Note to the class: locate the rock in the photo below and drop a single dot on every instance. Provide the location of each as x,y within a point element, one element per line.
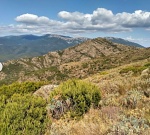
<point>145,72</point>
<point>45,90</point>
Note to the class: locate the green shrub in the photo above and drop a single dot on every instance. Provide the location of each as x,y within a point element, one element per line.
<point>147,65</point>
<point>20,88</point>
<point>53,69</point>
<point>85,65</point>
<point>81,94</point>
<point>22,115</point>
<point>135,69</point>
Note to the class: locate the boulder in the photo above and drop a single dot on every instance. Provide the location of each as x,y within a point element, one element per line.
<point>145,73</point>
<point>45,90</point>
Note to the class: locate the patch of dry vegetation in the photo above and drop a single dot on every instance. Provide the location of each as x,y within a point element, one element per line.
<point>123,110</point>
<point>93,123</point>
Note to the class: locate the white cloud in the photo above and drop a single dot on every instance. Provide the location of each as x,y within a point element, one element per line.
<point>31,19</point>
<point>101,20</point>
<point>26,18</point>
<point>137,19</point>
<point>75,16</point>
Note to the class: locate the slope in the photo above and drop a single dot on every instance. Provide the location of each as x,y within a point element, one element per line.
<point>75,62</point>
<point>123,109</point>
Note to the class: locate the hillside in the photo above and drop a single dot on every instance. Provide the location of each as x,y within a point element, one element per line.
<point>111,96</point>
<point>78,61</point>
<point>110,102</point>
<point>123,109</point>
<point>25,46</point>
<point>124,42</point>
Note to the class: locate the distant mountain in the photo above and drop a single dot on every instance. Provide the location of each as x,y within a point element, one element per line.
<point>124,42</point>
<point>24,46</point>
<point>79,61</point>
<point>27,46</point>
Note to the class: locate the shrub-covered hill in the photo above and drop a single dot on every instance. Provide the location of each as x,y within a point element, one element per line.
<point>117,101</point>
<point>78,61</point>
<point>124,107</point>
<point>114,101</point>
<point>22,112</point>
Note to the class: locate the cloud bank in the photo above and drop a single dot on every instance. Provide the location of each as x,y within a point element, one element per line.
<point>101,20</point>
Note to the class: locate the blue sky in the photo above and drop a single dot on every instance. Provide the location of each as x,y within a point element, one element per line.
<point>128,19</point>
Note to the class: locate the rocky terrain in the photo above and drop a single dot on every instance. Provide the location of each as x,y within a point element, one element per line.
<point>123,109</point>
<point>78,61</point>
<point>110,96</point>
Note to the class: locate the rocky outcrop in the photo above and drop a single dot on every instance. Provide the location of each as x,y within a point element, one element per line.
<point>44,91</point>
<point>145,72</point>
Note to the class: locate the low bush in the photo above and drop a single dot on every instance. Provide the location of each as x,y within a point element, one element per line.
<point>129,126</point>
<point>131,99</point>
<point>20,88</point>
<point>22,115</point>
<point>135,69</point>
<point>81,94</point>
<point>147,65</point>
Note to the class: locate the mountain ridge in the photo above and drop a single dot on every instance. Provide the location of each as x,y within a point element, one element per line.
<point>26,46</point>
<point>77,61</point>
<point>124,41</point>
<point>118,87</point>
<point>14,47</point>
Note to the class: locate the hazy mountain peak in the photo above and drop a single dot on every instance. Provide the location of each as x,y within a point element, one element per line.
<point>124,41</point>
<point>14,47</point>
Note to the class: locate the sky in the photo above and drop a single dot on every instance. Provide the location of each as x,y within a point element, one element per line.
<point>128,19</point>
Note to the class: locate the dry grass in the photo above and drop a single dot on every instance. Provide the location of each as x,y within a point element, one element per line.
<point>115,88</point>
<point>93,123</point>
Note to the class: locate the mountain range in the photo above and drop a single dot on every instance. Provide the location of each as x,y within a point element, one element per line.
<point>123,41</point>
<point>114,76</point>
<point>78,61</point>
<point>26,46</point>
